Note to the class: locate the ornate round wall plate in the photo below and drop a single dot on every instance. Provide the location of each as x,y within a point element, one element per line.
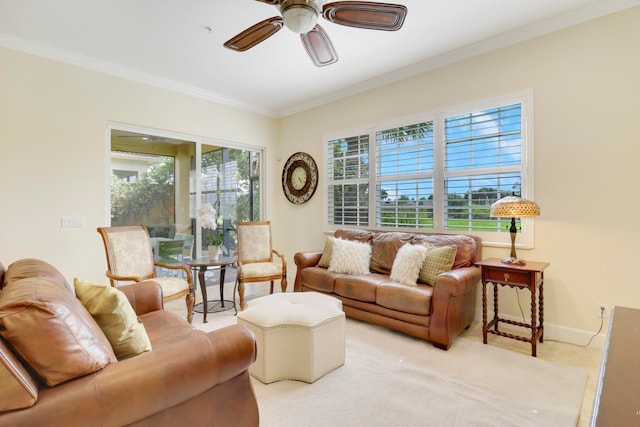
<point>299,178</point>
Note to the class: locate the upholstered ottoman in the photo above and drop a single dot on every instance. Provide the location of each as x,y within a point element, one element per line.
<point>300,335</point>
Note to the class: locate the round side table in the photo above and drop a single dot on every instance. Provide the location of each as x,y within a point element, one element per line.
<point>213,306</point>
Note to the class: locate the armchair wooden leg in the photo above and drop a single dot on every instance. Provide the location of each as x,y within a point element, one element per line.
<point>283,284</point>
<point>271,288</point>
<point>190,301</point>
<point>241,294</point>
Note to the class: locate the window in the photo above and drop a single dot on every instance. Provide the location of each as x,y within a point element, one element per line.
<point>349,174</point>
<point>438,171</point>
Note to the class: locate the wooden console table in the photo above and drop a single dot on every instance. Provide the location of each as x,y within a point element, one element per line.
<point>617,399</point>
<point>529,276</point>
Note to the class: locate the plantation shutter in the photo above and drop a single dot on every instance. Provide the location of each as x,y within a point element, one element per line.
<point>348,181</point>
<point>404,181</point>
<point>482,164</point>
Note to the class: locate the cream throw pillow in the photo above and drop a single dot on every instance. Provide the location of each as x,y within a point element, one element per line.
<point>112,311</point>
<point>439,259</point>
<point>350,257</point>
<point>325,260</point>
<point>407,263</point>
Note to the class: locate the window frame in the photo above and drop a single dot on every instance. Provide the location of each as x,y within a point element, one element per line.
<point>525,238</point>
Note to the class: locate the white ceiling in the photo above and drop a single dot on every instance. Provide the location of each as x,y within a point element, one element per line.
<point>166,43</point>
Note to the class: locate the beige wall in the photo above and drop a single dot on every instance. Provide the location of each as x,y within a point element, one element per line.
<point>587,98</point>
<point>586,87</point>
<point>53,161</point>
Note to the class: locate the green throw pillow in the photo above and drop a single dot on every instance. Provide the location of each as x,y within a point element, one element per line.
<point>439,259</point>
<point>325,260</point>
<point>113,313</point>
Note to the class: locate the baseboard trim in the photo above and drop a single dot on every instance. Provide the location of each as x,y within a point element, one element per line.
<point>561,333</point>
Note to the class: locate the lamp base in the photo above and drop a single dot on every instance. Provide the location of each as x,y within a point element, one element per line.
<point>513,260</point>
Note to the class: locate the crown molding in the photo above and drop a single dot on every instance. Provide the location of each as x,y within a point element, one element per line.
<point>597,9</point>
<point>93,64</point>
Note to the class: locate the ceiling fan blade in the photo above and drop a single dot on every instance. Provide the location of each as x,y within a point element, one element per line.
<point>256,34</point>
<point>365,14</point>
<point>319,47</point>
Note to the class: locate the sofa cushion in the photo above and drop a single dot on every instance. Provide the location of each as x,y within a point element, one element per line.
<point>384,247</point>
<point>319,279</point>
<point>408,263</point>
<point>165,328</point>
<point>360,287</point>
<point>50,329</point>
<point>112,311</point>
<point>408,299</point>
<point>325,259</point>
<point>439,260</point>
<point>363,236</point>
<point>17,388</point>
<point>350,257</point>
<point>31,267</point>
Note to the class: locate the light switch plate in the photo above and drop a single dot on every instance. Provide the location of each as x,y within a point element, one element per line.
<point>72,222</point>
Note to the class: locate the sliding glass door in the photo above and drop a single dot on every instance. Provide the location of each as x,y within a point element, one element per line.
<point>161,182</point>
<point>230,182</point>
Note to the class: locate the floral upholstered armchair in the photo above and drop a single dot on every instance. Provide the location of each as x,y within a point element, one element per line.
<point>255,257</point>
<point>130,259</point>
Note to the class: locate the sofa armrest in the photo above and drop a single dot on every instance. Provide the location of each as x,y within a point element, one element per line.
<point>453,304</point>
<point>307,259</point>
<point>164,378</point>
<point>139,387</point>
<point>144,297</point>
<point>304,260</point>
<point>458,281</point>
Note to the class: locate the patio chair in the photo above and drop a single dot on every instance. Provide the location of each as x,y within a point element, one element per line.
<point>188,244</point>
<point>130,259</point>
<point>169,252</point>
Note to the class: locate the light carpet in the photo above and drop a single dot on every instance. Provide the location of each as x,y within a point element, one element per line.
<point>390,379</point>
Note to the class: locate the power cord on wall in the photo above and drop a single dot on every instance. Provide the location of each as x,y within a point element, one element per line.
<point>566,342</point>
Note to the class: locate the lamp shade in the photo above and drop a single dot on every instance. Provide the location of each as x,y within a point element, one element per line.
<point>514,207</point>
<point>300,18</point>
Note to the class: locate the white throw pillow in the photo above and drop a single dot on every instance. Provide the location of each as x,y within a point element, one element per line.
<point>407,263</point>
<point>350,257</point>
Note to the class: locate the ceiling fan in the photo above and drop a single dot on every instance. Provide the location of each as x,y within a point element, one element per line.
<point>301,16</point>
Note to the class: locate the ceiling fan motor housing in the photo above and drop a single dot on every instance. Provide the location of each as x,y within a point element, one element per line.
<point>300,16</point>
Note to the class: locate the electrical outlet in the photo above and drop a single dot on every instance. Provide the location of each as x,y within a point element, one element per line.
<point>602,313</point>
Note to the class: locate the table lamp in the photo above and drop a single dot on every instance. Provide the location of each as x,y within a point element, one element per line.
<point>514,207</point>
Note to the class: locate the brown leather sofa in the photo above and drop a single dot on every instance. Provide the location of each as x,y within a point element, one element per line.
<point>435,313</point>
<point>188,378</point>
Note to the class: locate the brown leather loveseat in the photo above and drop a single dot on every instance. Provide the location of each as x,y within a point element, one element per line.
<point>436,312</point>
<point>189,377</point>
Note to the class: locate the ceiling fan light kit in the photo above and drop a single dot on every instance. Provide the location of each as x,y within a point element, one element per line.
<point>301,16</point>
